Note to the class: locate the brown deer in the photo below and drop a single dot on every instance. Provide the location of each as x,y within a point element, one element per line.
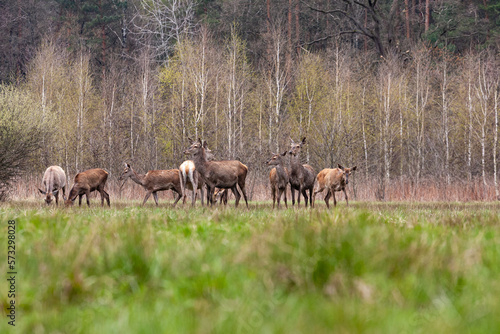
<point>278,177</point>
<point>226,174</point>
<point>333,179</point>
<point>154,181</point>
<point>191,179</point>
<point>302,177</point>
<point>221,196</point>
<point>85,183</point>
<point>54,179</point>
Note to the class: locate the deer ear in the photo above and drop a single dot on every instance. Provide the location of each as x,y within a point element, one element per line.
<point>340,166</point>
<point>303,140</point>
<point>199,140</point>
<point>127,165</point>
<point>284,153</point>
<point>291,140</point>
<point>205,144</point>
<point>190,140</point>
<point>354,168</point>
<point>43,192</point>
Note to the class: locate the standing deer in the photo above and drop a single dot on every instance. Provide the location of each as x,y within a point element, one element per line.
<point>333,179</point>
<point>54,179</point>
<point>154,181</point>
<point>278,177</point>
<point>225,174</point>
<point>191,179</point>
<point>302,177</point>
<point>85,183</point>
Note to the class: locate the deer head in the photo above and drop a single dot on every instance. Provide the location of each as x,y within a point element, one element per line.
<point>195,148</point>
<point>347,172</point>
<point>276,159</point>
<point>48,196</point>
<point>295,147</point>
<point>127,172</point>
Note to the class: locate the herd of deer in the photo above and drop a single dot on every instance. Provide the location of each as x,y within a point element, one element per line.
<point>203,170</point>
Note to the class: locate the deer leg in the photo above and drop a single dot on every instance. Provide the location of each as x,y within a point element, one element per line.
<point>334,199</point>
<point>146,197</point>
<point>210,195</point>
<point>80,199</point>
<point>236,195</point>
<point>106,195</point>
<point>87,194</point>
<point>346,200</point>
<point>284,195</point>
<point>311,197</point>
<point>273,194</point>
<point>242,188</point>
<point>293,195</point>
<point>64,192</point>
<point>155,197</point>
<point>280,191</point>
<point>184,184</point>
<point>202,194</point>
<point>194,183</point>
<point>327,198</point>
<point>101,191</point>
<point>179,195</point>
<point>320,189</point>
<point>57,198</point>
<point>304,192</point>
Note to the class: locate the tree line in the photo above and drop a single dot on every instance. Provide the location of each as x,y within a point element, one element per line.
<point>115,81</point>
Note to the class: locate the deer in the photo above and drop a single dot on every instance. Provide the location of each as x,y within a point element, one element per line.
<point>154,181</point>
<point>278,177</point>
<point>54,179</point>
<point>86,182</point>
<point>333,179</point>
<point>226,174</point>
<point>302,177</point>
<point>191,179</point>
<point>221,196</point>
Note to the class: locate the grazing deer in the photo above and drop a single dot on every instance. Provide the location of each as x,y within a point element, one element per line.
<point>85,183</point>
<point>54,179</point>
<point>191,179</point>
<point>226,174</point>
<point>221,196</point>
<point>333,179</point>
<point>278,177</point>
<point>302,177</point>
<point>154,181</point>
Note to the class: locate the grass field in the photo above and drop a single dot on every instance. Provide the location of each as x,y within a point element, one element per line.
<point>372,267</point>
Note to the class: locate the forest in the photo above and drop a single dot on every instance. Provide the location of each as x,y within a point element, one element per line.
<point>407,90</point>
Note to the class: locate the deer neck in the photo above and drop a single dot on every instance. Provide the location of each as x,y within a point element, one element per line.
<point>200,161</point>
<point>137,178</point>
<point>295,162</point>
<point>280,166</point>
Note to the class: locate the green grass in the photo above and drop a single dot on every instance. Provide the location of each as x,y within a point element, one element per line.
<point>372,267</point>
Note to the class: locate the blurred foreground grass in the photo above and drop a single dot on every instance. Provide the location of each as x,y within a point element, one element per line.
<point>372,267</point>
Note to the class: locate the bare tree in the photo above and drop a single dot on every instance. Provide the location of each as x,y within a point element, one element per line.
<point>162,23</point>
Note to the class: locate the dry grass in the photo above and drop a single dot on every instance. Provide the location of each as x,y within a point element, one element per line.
<point>258,190</point>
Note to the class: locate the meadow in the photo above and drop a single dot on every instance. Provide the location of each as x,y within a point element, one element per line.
<point>371,267</point>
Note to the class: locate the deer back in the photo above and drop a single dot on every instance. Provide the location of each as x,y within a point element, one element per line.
<point>162,179</point>
<point>54,178</point>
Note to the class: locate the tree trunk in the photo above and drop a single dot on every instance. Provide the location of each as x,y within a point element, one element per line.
<point>427,15</point>
<point>407,19</point>
<point>297,26</point>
